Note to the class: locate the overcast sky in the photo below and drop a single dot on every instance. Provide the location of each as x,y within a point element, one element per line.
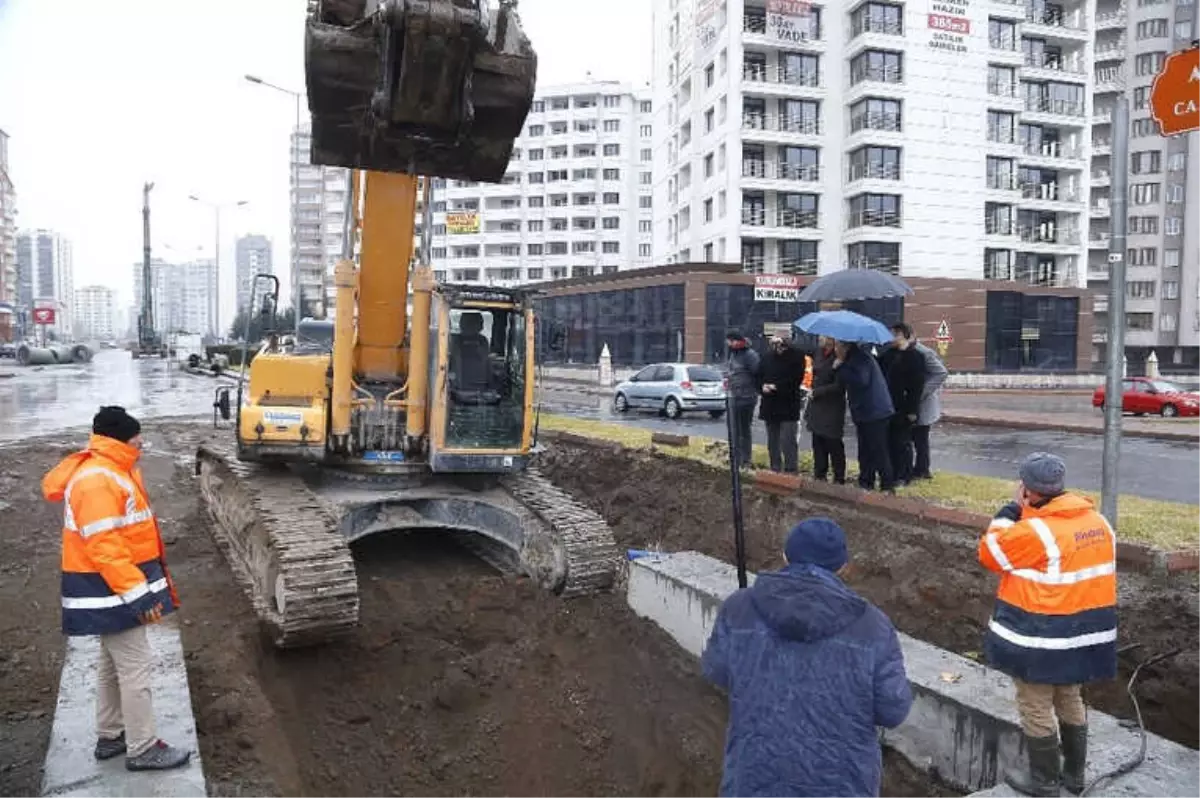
<point>99,96</point>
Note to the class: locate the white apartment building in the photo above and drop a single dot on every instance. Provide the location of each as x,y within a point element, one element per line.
<point>45,279</point>
<point>1162,281</point>
<point>318,204</point>
<point>576,200</point>
<point>944,139</point>
<point>181,296</point>
<point>253,259</point>
<point>95,313</point>
<point>8,244</point>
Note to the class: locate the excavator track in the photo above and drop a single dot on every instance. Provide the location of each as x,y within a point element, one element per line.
<point>586,539</point>
<point>284,547</point>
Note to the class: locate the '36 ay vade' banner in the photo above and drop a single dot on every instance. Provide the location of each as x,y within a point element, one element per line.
<point>788,20</point>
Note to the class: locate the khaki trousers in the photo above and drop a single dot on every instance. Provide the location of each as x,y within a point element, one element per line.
<point>1039,703</point>
<point>124,699</point>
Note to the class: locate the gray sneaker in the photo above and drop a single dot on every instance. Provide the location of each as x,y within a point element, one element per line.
<point>108,747</point>
<point>159,756</point>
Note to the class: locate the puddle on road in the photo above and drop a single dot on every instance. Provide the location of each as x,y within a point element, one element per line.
<point>49,399</point>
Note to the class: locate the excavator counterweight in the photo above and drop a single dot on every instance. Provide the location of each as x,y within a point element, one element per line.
<point>425,87</point>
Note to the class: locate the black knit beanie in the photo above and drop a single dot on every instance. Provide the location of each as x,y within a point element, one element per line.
<point>113,422</point>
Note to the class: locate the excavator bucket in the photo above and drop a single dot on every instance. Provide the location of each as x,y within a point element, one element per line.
<point>426,87</point>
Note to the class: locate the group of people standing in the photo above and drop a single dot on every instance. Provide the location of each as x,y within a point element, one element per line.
<point>893,400</point>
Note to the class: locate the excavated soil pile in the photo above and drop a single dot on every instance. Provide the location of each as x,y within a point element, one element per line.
<point>927,580</point>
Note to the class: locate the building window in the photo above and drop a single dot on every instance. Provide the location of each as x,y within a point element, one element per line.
<point>612,174</point>
<point>537,177</point>
<point>798,257</point>
<point>1146,193</point>
<point>585,150</point>
<point>1170,289</point>
<point>881,255</point>
<point>558,225</point>
<point>878,18</point>
<point>1171,258</point>
<point>612,223</point>
<point>583,174</point>
<point>537,202</point>
<point>612,125</point>
<point>875,113</point>
<point>643,250</point>
<point>1140,289</point>
<point>584,223</point>
<point>881,163</point>
<point>1141,98</point>
<point>646,202</point>
<point>612,198</point>
<point>611,101</point>
<point>1173,226</point>
<point>536,155</point>
<point>997,264</point>
<point>558,128</point>
<point>646,226</point>
<point>881,66</point>
<point>1175,193</point>
<point>1143,224</point>
<point>1148,162</point>
<point>612,150</point>
<point>646,131</point>
<point>582,247</point>
<point>710,118</point>
<point>539,106</point>
<point>534,225</point>
<point>1002,127</point>
<point>611,247</point>
<point>875,210</point>
<point>1152,29</point>
<point>535,274</point>
<point>1142,128</point>
<point>1001,174</point>
<point>1148,64</point>
<point>1002,34</point>
<point>1168,322</point>
<point>557,247</point>
<point>710,76</point>
<point>534,249</point>
<point>645,106</point>
<point>536,130</point>
<point>1177,162</point>
<point>1139,321</point>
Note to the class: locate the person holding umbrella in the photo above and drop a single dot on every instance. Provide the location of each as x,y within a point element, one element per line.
<point>826,416</point>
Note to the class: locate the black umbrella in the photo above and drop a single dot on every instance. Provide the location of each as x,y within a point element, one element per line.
<point>850,284</point>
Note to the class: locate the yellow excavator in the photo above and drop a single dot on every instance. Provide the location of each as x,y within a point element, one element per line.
<point>378,420</point>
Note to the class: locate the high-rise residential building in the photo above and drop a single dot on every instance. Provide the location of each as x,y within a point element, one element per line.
<point>576,199</point>
<point>1162,312</point>
<point>253,259</point>
<point>45,279</point>
<point>181,294</point>
<point>95,313</point>
<point>941,140</point>
<point>318,216</point>
<point>8,245</point>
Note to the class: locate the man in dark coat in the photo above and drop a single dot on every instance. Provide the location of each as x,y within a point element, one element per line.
<point>811,669</point>
<point>742,370</point>
<point>904,368</point>
<point>870,408</point>
<point>826,417</point>
<point>782,374</point>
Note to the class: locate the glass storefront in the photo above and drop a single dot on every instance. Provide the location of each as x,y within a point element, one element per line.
<point>640,325</point>
<point>1031,332</point>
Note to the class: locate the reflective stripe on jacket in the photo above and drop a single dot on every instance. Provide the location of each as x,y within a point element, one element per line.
<point>1055,620</point>
<point>113,562</point>
<point>808,372</point>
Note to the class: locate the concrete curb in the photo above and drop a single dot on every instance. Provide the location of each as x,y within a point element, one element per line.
<point>963,725</point>
<point>1130,556</point>
<point>71,770</point>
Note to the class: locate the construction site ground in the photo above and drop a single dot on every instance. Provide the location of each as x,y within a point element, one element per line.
<point>459,681</point>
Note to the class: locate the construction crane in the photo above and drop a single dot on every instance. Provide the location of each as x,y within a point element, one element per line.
<point>148,344</point>
<point>379,421</point>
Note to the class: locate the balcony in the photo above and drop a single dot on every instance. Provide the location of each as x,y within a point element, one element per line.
<point>760,73</point>
<point>872,218</point>
<point>1109,51</point>
<point>875,121</point>
<point>1109,81</point>
<point>772,170</point>
<point>869,25</point>
<point>1002,181</point>
<point>877,74</point>
<point>1052,23</point>
<point>1009,9</point>
<point>803,266</point>
<point>1100,179</point>
<point>1101,116</point>
<point>756,25</point>
<point>1048,105</point>
<point>1059,66</point>
<point>999,227</point>
<point>997,135</point>
<point>1100,209</point>
<point>1098,241</point>
<point>873,171</point>
<point>1053,150</point>
<point>754,264</point>
<point>1048,234</point>
<point>1049,192</point>
<point>796,220</point>
<point>754,217</point>
<point>1003,43</point>
<point>998,88</point>
<point>1111,20</point>
<point>782,124</point>
<point>887,265</point>
<point>1102,147</point>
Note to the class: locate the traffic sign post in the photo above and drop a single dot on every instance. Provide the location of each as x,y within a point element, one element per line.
<point>943,338</point>
<point>1115,348</point>
<point>1175,94</point>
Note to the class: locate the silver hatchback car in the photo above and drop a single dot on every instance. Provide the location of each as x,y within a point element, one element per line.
<point>673,389</point>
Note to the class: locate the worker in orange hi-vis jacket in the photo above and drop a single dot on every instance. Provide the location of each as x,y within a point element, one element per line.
<point>114,583</point>
<point>1054,627</point>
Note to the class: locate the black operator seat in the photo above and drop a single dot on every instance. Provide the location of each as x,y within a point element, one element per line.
<point>470,355</point>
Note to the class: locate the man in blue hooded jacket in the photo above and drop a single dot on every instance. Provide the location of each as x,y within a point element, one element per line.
<point>811,669</point>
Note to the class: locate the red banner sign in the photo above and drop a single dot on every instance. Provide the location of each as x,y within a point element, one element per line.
<point>949,24</point>
<point>43,315</point>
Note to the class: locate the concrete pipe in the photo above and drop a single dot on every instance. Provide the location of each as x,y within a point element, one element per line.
<point>35,356</point>
<point>81,353</point>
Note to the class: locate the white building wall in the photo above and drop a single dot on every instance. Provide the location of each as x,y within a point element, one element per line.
<point>318,217</point>
<point>253,258</point>
<point>95,313</point>
<point>181,293</point>
<point>942,90</point>
<point>561,176</point>
<point>46,277</point>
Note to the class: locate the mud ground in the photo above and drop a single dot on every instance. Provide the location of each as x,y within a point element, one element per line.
<point>927,580</point>
<point>459,680</point>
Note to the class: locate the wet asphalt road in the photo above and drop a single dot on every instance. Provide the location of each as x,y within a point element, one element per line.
<point>47,399</point>
<point>1151,468</point>
<point>40,401</point>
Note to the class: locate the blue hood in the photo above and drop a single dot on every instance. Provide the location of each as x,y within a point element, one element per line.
<point>805,602</point>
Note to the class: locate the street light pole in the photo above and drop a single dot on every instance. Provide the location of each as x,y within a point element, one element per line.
<point>214,308</point>
<point>294,150</point>
<point>1115,349</point>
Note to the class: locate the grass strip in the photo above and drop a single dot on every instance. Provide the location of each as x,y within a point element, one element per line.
<point>1167,525</point>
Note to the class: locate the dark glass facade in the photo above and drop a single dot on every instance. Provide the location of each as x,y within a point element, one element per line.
<point>640,325</point>
<point>1031,332</point>
<point>732,307</point>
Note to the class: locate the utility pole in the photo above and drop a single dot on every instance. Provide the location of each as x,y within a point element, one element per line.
<point>1115,349</point>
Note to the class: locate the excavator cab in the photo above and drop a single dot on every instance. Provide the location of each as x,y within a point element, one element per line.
<point>425,87</point>
<point>482,382</point>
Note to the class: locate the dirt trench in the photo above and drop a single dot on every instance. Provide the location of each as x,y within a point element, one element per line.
<point>927,580</point>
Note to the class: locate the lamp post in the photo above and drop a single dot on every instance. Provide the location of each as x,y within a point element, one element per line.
<point>298,310</point>
<point>215,307</point>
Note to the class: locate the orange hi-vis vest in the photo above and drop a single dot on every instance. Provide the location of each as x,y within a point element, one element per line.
<point>1055,620</point>
<point>113,563</point>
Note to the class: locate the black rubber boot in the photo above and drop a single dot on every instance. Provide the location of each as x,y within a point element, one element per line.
<point>1074,748</point>
<point>1045,768</point>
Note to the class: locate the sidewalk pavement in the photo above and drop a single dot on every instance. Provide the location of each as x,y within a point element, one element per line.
<point>1087,423</point>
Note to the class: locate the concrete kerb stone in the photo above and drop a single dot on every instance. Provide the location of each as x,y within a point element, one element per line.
<point>963,726</point>
<point>70,768</point>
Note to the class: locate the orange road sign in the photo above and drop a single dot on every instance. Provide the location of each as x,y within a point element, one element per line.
<point>1175,95</point>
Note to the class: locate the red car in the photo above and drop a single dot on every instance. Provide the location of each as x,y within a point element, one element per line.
<point>1143,395</point>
